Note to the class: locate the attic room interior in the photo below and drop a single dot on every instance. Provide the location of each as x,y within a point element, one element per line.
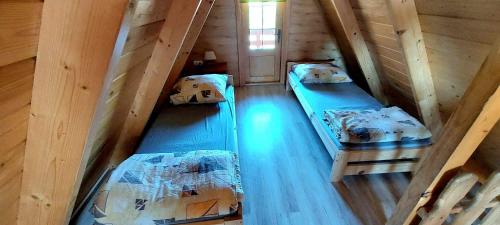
<point>255,112</point>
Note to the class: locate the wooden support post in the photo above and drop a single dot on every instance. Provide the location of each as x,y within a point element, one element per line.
<point>176,26</point>
<point>474,117</point>
<point>407,27</point>
<point>77,53</point>
<point>339,165</point>
<point>194,31</point>
<point>342,17</point>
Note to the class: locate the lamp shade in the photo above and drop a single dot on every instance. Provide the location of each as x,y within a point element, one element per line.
<point>210,56</point>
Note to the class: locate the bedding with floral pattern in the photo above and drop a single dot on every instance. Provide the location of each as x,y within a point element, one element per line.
<point>320,73</point>
<point>165,188</point>
<point>375,125</point>
<point>199,89</point>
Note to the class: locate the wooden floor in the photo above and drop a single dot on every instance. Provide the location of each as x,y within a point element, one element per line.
<point>285,169</point>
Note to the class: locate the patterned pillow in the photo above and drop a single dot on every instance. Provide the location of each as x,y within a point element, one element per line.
<point>375,125</point>
<point>199,89</point>
<point>168,188</point>
<point>320,73</point>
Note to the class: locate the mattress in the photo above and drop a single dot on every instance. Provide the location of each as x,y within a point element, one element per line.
<point>185,128</point>
<point>321,97</point>
<point>192,127</point>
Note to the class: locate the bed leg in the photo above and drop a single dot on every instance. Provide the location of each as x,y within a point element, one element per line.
<point>339,165</point>
<point>288,88</point>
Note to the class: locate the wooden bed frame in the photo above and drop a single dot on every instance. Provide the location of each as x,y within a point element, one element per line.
<point>352,161</point>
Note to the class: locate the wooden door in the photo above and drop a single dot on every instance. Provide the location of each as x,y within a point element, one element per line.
<point>261,23</point>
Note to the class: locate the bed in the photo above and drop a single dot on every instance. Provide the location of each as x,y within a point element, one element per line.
<point>180,129</point>
<point>352,159</point>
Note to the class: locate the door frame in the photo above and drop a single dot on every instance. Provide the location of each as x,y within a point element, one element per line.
<point>243,51</point>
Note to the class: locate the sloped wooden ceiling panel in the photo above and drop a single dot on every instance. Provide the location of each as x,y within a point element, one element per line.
<point>19,29</point>
<point>219,34</point>
<point>378,31</point>
<point>309,36</point>
<point>459,35</point>
<point>145,27</point>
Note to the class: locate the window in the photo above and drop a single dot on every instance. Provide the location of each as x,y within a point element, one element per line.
<point>262,25</point>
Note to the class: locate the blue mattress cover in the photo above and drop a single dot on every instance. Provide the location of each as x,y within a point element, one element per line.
<point>192,127</point>
<point>185,128</point>
<point>346,96</point>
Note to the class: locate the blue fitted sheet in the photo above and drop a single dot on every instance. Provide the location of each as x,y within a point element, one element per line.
<point>192,127</point>
<point>346,96</point>
<point>185,128</point>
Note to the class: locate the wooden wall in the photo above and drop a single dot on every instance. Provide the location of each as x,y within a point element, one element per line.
<point>378,31</point>
<point>458,35</point>
<point>144,30</point>
<point>309,35</point>
<point>220,34</point>
<point>19,28</point>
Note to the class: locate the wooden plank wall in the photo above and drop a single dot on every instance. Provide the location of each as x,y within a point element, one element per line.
<point>378,31</point>
<point>220,34</point>
<point>459,35</point>
<point>19,28</point>
<point>144,31</point>
<point>309,36</point>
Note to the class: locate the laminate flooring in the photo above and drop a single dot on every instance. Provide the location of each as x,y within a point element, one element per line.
<point>285,169</point>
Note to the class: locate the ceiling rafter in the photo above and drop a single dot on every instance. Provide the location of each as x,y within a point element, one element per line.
<point>340,15</point>
<point>172,35</point>
<point>475,116</point>
<point>70,70</point>
<point>406,24</point>
<point>187,47</point>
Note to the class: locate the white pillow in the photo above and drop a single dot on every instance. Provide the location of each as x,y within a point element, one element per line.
<point>320,73</point>
<point>199,89</point>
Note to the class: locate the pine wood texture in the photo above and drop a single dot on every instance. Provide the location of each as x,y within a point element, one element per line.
<point>407,26</point>
<point>16,81</point>
<point>454,191</point>
<point>488,192</point>
<point>19,29</point>
<point>458,36</point>
<point>475,116</point>
<point>385,50</point>
<point>309,35</point>
<point>342,16</point>
<point>220,34</point>
<point>172,35</point>
<point>70,72</point>
<point>191,38</point>
<point>459,198</point>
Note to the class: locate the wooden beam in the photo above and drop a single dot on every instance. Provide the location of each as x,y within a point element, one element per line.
<point>474,117</point>
<point>191,38</point>
<point>341,15</point>
<point>77,52</point>
<point>176,26</point>
<point>407,27</point>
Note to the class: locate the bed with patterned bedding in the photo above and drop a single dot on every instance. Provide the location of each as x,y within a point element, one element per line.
<point>354,157</point>
<point>185,171</point>
<point>170,188</point>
